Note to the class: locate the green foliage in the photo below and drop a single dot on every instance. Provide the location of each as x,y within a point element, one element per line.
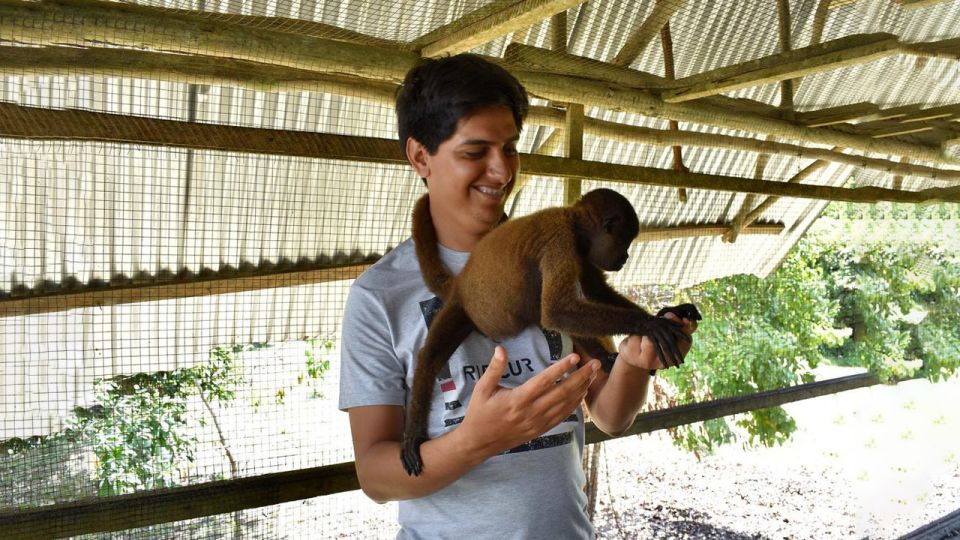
<point>317,355</point>
<point>140,429</point>
<point>756,335</point>
<point>888,301</point>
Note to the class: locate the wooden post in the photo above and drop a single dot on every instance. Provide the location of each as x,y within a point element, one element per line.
<point>574,150</point>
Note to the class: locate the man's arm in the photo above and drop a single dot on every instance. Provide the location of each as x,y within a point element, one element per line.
<point>615,398</point>
<point>496,420</point>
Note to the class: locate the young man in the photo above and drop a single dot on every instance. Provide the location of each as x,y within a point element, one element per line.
<point>504,456</point>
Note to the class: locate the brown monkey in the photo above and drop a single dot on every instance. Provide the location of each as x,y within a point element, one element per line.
<point>545,268</point>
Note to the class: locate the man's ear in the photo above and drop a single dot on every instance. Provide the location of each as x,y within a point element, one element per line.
<point>417,156</point>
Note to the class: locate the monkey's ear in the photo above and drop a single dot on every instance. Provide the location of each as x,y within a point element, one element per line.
<point>417,155</point>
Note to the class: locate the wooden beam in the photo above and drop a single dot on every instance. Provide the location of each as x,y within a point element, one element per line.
<point>891,129</point>
<point>786,85</point>
<point>707,410</point>
<point>467,20</point>
<point>558,32</point>
<point>509,19</point>
<point>917,4</point>
<point>537,59</point>
<point>191,69</point>
<point>755,214</point>
<point>45,124</point>
<point>836,115</point>
<point>613,97</point>
<point>106,514</point>
<point>656,234</point>
<point>819,21</point>
<point>636,41</point>
<point>85,22</point>
<point>669,72</point>
<point>947,49</point>
<point>746,205</point>
<point>573,129</point>
<point>819,58</point>
<point>145,27</point>
<point>132,294</point>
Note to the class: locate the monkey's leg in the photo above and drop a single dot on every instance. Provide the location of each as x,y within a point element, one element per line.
<point>595,348</point>
<point>448,330</point>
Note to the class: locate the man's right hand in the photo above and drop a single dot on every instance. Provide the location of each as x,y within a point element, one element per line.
<point>500,418</point>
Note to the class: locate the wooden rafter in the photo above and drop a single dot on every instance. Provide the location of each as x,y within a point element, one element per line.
<point>827,56</point>
<point>786,85</point>
<point>669,72</point>
<point>208,70</point>
<point>917,4</point>
<point>193,69</point>
<point>598,94</point>
<point>755,214</point>
<point>948,49</point>
<point>558,32</point>
<point>86,22</point>
<point>635,134</point>
<point>836,115</point>
<point>145,28</point>
<point>573,146</point>
<point>132,294</point>
<point>654,234</point>
<point>509,19</point>
<point>636,41</point>
<point>45,124</point>
<point>819,21</point>
<point>746,205</point>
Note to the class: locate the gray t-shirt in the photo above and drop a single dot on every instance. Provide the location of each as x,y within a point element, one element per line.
<point>532,491</point>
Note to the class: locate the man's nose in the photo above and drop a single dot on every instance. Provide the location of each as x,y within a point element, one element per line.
<point>499,167</point>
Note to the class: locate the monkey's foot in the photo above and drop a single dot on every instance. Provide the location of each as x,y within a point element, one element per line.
<point>665,334</point>
<point>410,455</point>
<point>684,311</point>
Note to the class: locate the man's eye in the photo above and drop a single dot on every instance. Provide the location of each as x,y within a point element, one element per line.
<point>510,151</point>
<point>476,155</point>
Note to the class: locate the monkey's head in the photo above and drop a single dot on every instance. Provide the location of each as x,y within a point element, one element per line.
<point>606,227</point>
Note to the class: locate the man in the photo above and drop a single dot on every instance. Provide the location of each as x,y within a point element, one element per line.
<point>506,439</point>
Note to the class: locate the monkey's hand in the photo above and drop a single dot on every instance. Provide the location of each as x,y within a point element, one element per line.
<point>664,333</point>
<point>683,311</point>
<point>413,437</point>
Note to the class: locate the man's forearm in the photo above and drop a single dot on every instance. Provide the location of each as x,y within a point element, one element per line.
<point>445,460</point>
<point>615,402</point>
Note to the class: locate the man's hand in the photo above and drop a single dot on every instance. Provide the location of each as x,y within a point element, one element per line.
<point>640,352</point>
<point>499,418</point>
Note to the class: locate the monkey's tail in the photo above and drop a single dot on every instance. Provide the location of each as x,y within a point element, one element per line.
<point>436,275</point>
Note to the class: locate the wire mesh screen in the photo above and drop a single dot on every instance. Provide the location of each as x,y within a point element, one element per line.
<point>188,190</point>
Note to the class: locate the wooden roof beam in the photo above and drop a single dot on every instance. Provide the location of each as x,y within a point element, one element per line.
<point>658,137</point>
<point>827,56</point>
<point>917,4</point>
<point>45,124</point>
<point>145,27</point>
<point>948,49</point>
<point>508,19</point>
<point>836,115</point>
<point>638,40</point>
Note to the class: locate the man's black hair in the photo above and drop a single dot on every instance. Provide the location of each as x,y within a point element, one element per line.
<point>438,92</point>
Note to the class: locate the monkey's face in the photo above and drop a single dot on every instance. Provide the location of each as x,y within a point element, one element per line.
<point>610,249</point>
<point>470,175</point>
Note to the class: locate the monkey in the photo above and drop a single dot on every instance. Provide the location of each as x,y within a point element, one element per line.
<point>546,268</point>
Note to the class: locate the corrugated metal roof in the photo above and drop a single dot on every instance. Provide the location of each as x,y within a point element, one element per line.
<point>90,211</point>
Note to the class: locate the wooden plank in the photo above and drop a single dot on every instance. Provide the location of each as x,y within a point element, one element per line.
<point>212,498</point>
<point>836,115</point>
<point>847,51</point>
<point>475,16</point>
<point>558,32</point>
<point>639,38</point>
<point>132,294</point>
<point>894,130</point>
<point>509,19</point>
<point>44,124</point>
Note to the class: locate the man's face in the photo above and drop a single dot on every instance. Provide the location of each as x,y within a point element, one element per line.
<point>470,175</point>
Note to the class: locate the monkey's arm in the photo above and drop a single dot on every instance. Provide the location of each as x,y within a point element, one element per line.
<point>615,399</point>
<point>567,307</point>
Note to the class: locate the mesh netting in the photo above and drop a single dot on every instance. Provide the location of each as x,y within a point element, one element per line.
<point>189,188</point>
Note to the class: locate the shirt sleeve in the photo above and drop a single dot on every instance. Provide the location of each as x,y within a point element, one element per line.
<point>371,372</point>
